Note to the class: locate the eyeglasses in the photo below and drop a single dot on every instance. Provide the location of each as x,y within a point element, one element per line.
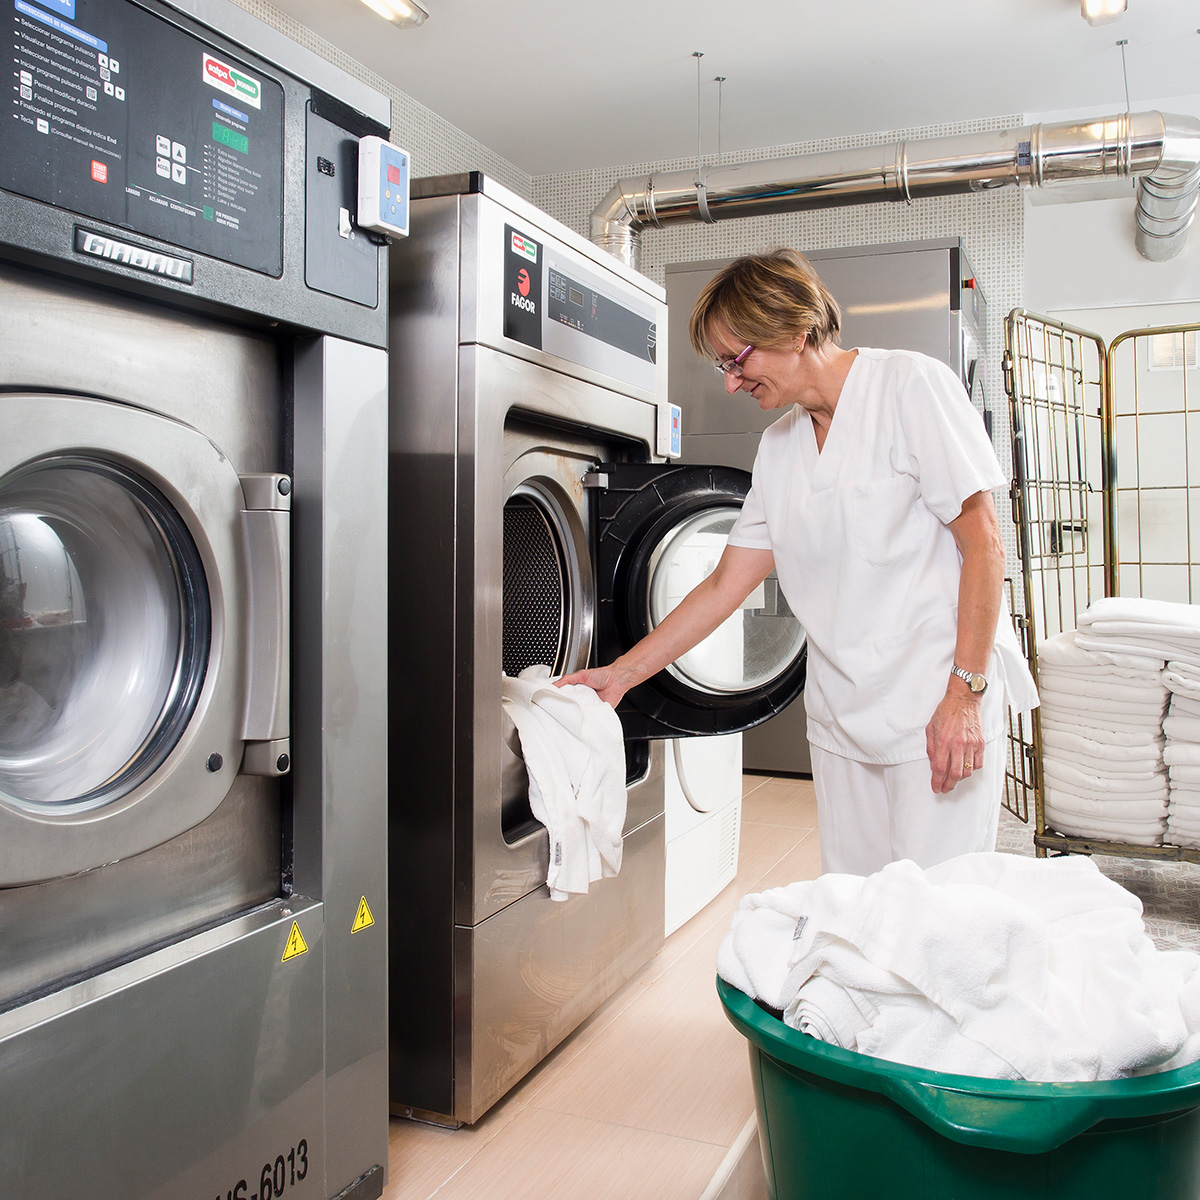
<point>732,366</point>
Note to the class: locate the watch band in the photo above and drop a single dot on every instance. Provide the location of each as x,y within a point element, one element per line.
<point>976,682</point>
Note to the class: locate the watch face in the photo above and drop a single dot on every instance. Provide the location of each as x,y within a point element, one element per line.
<point>978,683</point>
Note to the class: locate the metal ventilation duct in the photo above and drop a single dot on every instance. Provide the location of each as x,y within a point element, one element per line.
<point>1162,151</point>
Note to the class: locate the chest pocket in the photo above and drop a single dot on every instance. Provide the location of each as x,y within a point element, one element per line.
<point>890,523</point>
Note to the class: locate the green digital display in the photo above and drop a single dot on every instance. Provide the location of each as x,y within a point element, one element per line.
<point>231,138</point>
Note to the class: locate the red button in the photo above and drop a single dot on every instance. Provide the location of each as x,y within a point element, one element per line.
<point>99,171</point>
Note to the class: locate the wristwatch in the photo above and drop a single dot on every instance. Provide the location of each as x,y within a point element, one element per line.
<point>976,682</point>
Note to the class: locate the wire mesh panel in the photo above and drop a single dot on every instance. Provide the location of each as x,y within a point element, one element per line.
<point>1055,378</point>
<point>1106,500</point>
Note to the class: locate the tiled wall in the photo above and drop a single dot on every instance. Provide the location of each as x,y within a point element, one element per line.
<point>990,224</point>
<point>436,146</point>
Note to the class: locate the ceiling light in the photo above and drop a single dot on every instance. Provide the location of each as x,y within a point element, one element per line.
<point>399,12</point>
<point>1100,12</point>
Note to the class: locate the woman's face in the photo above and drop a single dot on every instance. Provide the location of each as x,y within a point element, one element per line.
<point>774,377</point>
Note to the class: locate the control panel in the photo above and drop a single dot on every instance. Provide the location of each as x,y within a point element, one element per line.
<point>382,187</point>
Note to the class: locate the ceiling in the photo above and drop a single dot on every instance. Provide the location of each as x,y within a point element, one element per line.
<point>561,85</point>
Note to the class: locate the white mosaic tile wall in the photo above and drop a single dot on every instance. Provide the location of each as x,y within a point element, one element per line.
<point>436,146</point>
<point>991,225</point>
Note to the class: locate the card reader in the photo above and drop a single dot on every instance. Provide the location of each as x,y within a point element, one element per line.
<point>382,187</point>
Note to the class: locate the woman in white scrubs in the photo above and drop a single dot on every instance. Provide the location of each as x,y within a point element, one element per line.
<point>872,501</point>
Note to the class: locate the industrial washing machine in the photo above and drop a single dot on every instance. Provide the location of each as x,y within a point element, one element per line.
<point>532,521</point>
<point>192,607</point>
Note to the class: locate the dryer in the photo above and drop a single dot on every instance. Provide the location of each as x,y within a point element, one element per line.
<point>532,520</point>
<point>192,537</point>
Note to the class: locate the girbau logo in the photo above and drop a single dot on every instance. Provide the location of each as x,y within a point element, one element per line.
<point>137,257</point>
<point>229,79</point>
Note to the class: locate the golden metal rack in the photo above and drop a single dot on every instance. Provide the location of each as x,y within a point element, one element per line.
<point>1105,499</point>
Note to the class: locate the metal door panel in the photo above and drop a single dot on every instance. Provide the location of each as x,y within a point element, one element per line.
<point>199,482</point>
<point>509,409</point>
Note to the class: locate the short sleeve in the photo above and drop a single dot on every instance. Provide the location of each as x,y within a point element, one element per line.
<point>750,528</point>
<point>945,436</point>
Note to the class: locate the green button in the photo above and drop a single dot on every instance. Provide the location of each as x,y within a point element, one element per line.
<point>208,213</point>
<point>231,138</point>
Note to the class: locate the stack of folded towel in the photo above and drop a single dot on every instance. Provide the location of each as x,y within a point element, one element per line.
<point>993,965</point>
<point>1170,631</point>
<point>1182,752</point>
<point>1102,740</point>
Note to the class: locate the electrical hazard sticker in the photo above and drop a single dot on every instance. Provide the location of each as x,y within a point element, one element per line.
<point>363,920</point>
<point>296,945</point>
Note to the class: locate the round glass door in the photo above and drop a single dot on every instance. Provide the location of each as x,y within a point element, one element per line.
<point>750,649</point>
<point>105,631</point>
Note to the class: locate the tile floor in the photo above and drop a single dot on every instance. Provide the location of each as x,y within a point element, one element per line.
<point>650,1098</point>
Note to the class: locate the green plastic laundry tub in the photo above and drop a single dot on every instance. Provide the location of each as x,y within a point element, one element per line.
<point>836,1125</point>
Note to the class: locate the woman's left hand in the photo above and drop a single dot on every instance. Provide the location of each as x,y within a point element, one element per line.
<point>954,741</point>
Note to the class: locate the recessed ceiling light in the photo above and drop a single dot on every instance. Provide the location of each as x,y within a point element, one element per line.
<point>1100,12</point>
<point>399,12</point>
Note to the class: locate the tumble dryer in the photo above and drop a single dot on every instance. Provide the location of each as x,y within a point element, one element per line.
<point>532,521</point>
<point>192,594</point>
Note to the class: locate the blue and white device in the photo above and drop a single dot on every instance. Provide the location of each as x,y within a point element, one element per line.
<point>382,187</point>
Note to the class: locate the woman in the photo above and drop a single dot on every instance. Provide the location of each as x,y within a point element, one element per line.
<point>872,500</point>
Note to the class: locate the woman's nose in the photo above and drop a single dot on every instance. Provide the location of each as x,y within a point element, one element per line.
<point>732,382</point>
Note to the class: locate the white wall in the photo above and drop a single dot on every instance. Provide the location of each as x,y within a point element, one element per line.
<point>1082,255</point>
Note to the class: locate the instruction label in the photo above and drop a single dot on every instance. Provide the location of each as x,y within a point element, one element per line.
<point>117,115</point>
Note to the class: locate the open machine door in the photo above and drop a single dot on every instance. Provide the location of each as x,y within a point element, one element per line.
<point>660,530</point>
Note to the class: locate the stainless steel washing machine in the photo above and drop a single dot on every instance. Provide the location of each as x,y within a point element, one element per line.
<point>532,520</point>
<point>192,592</point>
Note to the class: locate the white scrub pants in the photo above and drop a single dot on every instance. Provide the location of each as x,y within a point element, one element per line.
<point>870,815</point>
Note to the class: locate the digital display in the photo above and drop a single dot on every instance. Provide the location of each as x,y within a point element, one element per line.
<point>575,297</point>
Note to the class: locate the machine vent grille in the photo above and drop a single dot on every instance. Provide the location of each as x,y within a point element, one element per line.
<point>536,592</point>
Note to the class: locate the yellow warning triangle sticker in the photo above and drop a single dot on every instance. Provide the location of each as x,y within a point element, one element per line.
<point>364,919</point>
<point>295,944</point>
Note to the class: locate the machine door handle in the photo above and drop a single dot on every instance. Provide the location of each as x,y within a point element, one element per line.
<point>266,533</point>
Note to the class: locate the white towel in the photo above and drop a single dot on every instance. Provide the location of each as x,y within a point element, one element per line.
<point>1149,691</point>
<point>1108,810</point>
<point>1116,738</point>
<point>574,752</point>
<point>1148,785</point>
<point>989,964</point>
<point>1182,729</point>
<point>1135,833</point>
<point>1069,744</point>
<point>1182,680</point>
<point>1182,705</point>
<point>1180,753</point>
<point>1063,652</point>
<point>1154,618</point>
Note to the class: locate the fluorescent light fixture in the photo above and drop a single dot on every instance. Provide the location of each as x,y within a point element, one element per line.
<point>1100,12</point>
<point>399,12</point>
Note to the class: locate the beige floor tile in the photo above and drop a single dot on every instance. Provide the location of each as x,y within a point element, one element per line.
<point>548,1155</point>
<point>671,1064</point>
<point>751,780</point>
<point>782,802</point>
<point>422,1157</point>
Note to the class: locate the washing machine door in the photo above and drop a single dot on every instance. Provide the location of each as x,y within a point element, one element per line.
<point>660,530</point>
<point>125,585</point>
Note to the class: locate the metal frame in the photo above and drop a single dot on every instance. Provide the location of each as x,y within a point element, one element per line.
<point>1068,405</point>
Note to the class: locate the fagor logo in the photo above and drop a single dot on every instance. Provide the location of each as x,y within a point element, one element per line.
<point>229,79</point>
<point>523,282</point>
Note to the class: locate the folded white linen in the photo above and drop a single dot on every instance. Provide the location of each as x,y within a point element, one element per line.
<point>1117,738</point>
<point>1105,768</point>
<point>1184,680</point>
<point>1100,711</point>
<point>1151,691</point>
<point>1062,651</point>
<point>989,964</point>
<point>1067,742</point>
<point>1184,774</point>
<point>1128,645</point>
<point>1181,729</point>
<point>574,752</point>
<point>1076,805</point>
<point>1136,833</point>
<point>1150,785</point>
<point>1184,706</point>
<point>1178,753</point>
<point>1139,612</point>
<point>832,1013</point>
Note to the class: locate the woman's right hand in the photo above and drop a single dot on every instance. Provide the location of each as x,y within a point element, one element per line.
<point>609,683</point>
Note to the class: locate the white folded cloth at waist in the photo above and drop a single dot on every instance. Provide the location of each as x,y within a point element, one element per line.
<point>1062,652</point>
<point>1149,781</point>
<point>989,964</point>
<point>574,752</point>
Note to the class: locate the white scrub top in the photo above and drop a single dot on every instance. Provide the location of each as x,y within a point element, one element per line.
<point>866,560</point>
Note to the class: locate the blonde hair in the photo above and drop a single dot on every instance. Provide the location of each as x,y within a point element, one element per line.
<point>767,300</point>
